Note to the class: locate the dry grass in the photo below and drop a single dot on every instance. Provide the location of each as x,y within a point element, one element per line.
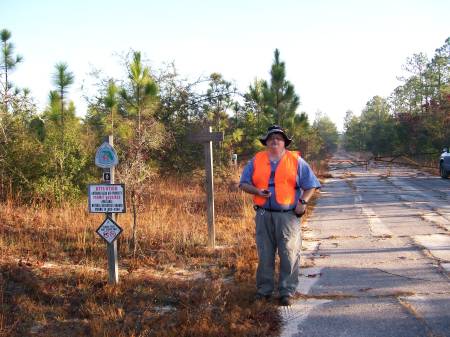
<point>321,168</point>
<point>53,270</point>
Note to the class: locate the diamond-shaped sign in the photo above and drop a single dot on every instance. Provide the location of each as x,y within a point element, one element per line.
<point>109,230</point>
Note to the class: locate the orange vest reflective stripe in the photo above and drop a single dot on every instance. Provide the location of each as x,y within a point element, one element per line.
<point>285,177</point>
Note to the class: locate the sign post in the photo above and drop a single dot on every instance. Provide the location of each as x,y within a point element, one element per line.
<point>108,198</point>
<point>207,138</point>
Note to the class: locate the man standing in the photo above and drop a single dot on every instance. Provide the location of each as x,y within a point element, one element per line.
<point>282,184</point>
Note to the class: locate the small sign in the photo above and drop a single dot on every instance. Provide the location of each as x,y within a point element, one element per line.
<point>109,230</point>
<point>106,156</point>
<point>106,176</point>
<point>106,198</point>
<point>205,137</point>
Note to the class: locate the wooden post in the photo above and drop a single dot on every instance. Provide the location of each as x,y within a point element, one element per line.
<point>207,138</point>
<point>113,264</point>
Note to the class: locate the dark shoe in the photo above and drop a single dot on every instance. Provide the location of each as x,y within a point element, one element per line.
<point>285,301</point>
<point>260,297</point>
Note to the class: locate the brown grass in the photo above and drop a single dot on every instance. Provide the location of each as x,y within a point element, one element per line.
<point>321,168</point>
<point>53,268</point>
<point>53,277</point>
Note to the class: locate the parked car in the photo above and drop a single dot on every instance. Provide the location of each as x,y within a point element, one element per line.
<point>444,163</point>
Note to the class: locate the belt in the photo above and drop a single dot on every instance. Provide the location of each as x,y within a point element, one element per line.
<point>256,207</point>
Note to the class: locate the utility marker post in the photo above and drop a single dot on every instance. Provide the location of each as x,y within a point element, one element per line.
<point>207,138</point>
<point>113,261</point>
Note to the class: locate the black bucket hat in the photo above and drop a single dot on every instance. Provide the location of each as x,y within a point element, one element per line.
<point>276,129</point>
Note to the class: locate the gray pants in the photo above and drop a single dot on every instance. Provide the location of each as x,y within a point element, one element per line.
<point>280,231</point>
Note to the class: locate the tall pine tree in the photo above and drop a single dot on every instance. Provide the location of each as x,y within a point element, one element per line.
<point>279,97</point>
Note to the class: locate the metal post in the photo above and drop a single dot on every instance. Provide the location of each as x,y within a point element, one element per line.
<point>113,265</point>
<point>210,192</point>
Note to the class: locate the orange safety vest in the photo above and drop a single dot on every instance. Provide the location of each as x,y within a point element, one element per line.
<point>285,177</point>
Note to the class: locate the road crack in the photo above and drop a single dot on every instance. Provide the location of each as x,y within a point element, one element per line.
<point>413,312</point>
<point>408,277</point>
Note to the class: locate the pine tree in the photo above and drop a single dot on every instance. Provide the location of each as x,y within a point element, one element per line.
<point>140,99</point>
<point>8,63</point>
<point>279,97</point>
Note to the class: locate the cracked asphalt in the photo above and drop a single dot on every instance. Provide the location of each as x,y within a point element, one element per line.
<point>376,255</point>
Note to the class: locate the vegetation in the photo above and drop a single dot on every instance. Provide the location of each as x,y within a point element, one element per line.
<point>53,278</point>
<point>47,156</point>
<point>414,119</point>
<point>52,264</point>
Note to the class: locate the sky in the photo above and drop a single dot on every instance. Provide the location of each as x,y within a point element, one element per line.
<point>338,54</point>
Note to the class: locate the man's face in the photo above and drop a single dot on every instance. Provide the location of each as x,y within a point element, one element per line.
<point>275,142</point>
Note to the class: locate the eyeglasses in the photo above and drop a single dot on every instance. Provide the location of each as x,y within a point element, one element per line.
<point>273,138</point>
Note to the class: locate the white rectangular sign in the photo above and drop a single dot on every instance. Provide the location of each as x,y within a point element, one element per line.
<point>106,198</point>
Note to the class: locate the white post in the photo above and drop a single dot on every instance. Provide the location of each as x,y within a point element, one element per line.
<point>210,192</point>
<point>113,264</point>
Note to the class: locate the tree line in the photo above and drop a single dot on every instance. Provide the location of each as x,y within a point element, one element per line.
<point>47,156</point>
<point>414,119</point>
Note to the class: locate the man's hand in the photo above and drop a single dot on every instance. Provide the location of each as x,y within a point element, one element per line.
<point>300,209</point>
<point>264,193</point>
<point>253,190</point>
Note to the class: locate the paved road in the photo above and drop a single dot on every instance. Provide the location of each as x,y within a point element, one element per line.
<point>376,256</point>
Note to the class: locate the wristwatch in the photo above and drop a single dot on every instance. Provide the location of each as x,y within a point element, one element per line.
<point>303,202</point>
